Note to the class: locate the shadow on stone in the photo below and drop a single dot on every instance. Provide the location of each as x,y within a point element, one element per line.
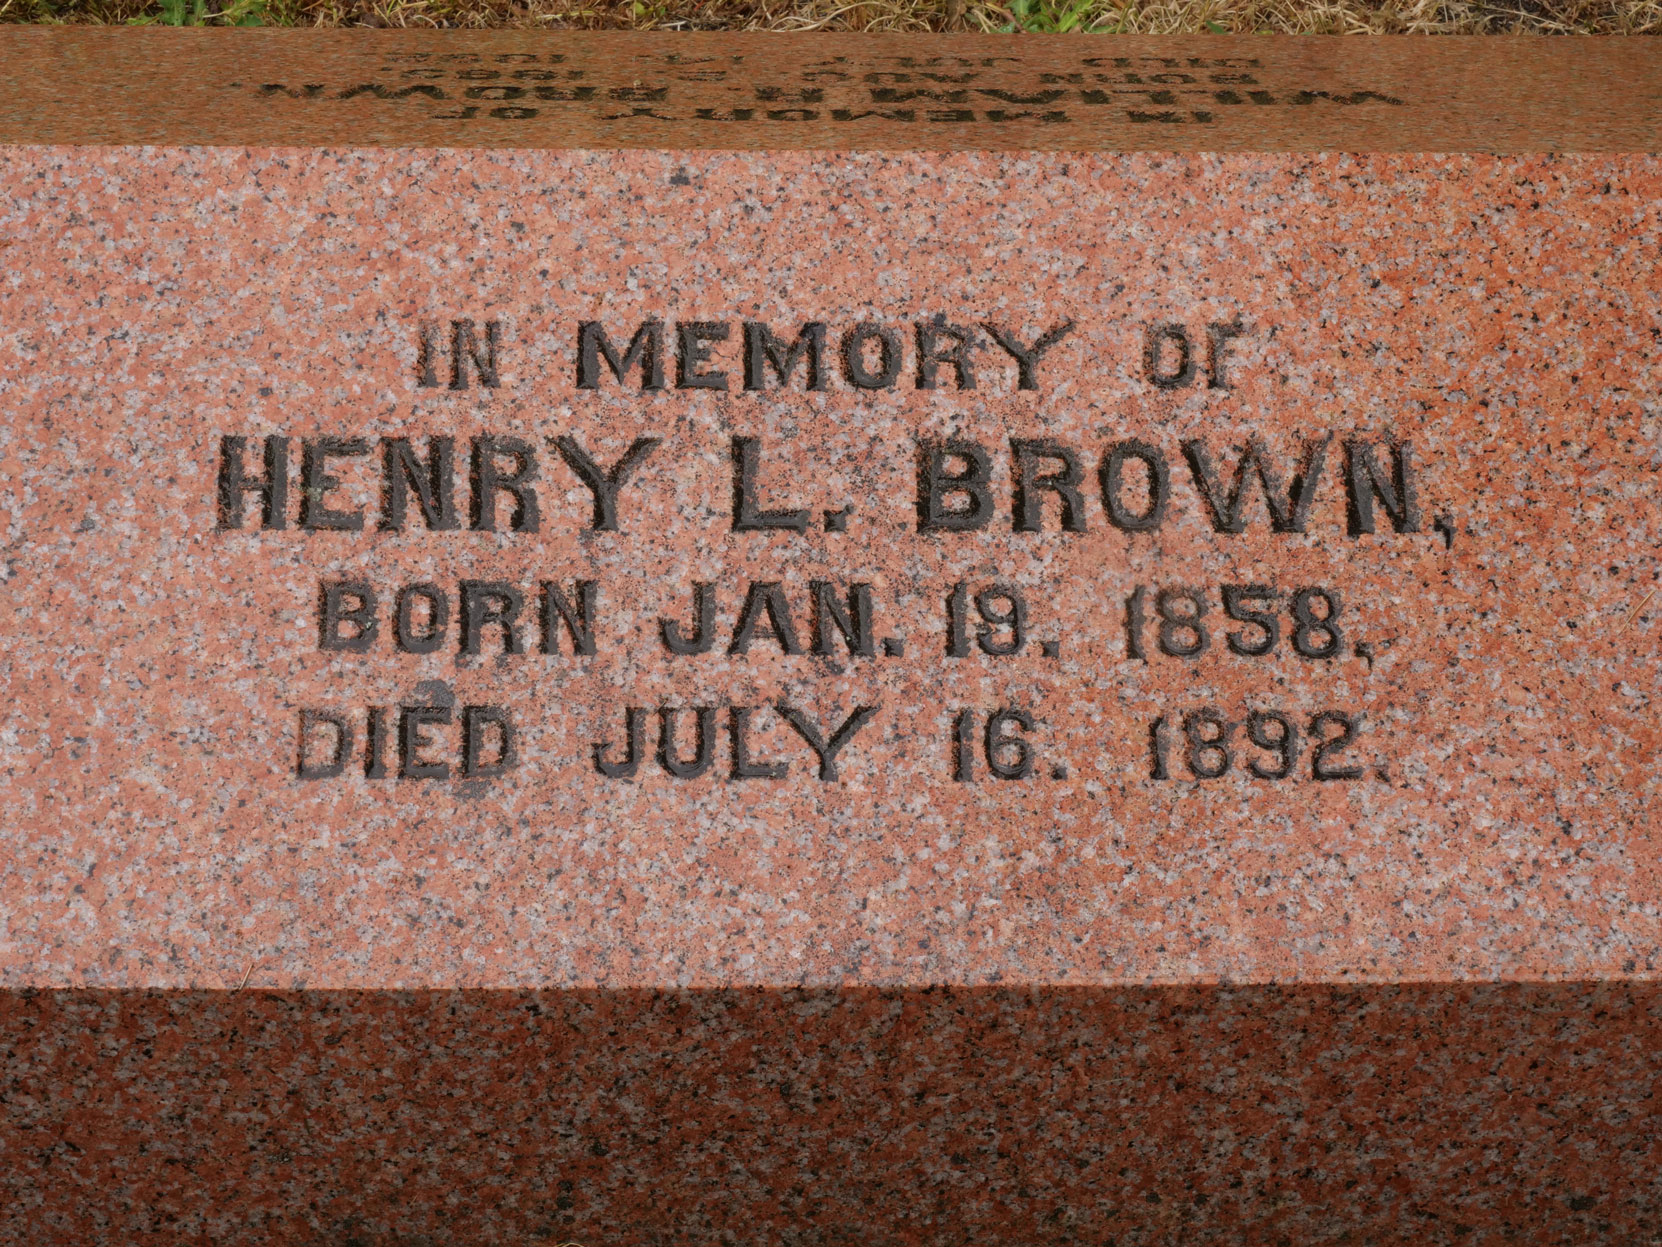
<point>1364,1114</point>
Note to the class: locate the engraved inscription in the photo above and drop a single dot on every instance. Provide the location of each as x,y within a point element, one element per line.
<point>1334,486</point>
<point>909,93</point>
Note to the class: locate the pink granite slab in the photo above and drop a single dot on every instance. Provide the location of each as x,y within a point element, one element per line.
<point>1497,315</point>
<point>1084,1006</point>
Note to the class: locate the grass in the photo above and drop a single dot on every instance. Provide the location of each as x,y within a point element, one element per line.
<point>1333,17</point>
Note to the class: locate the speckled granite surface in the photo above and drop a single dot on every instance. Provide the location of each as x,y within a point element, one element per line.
<point>1478,1114</point>
<point>1491,825</point>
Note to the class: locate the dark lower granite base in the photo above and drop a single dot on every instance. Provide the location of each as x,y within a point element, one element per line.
<point>1253,1115</point>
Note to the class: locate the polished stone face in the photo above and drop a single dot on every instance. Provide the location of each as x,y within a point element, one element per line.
<point>1455,354</point>
<point>648,571</point>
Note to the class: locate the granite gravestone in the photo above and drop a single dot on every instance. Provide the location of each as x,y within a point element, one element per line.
<point>563,682</point>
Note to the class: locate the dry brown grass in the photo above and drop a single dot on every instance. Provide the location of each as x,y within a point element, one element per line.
<point>1107,16</point>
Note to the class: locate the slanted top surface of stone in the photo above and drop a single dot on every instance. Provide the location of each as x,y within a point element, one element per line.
<point>845,92</point>
<point>1295,624</point>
